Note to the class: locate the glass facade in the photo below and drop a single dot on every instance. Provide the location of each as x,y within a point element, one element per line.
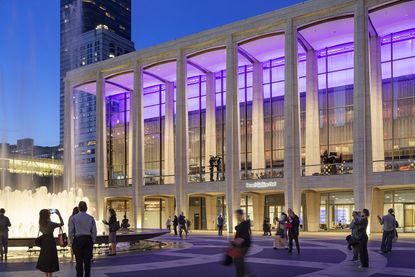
<point>403,203</point>
<point>274,90</point>
<point>336,210</point>
<point>274,206</point>
<point>154,213</point>
<point>197,213</point>
<point>122,207</point>
<point>220,117</point>
<point>154,107</point>
<point>84,137</point>
<point>247,205</point>
<point>398,93</point>
<point>245,112</point>
<point>117,127</point>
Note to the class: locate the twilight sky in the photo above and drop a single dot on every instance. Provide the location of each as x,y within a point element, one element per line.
<point>29,49</point>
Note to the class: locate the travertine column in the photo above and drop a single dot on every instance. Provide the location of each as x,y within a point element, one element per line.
<point>313,210</point>
<point>138,146</point>
<point>361,106</point>
<point>210,132</point>
<point>169,135</point>
<point>378,149</point>
<point>258,200</point>
<point>232,159</point>
<point>181,133</point>
<point>100,147</point>
<point>211,212</point>
<point>292,159</point>
<point>377,209</point>
<point>258,142</point>
<point>69,139</point>
<point>312,127</point>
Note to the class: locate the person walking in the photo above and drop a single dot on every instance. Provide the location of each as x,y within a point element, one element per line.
<point>4,234</point>
<point>168,223</point>
<point>83,230</point>
<point>293,230</point>
<point>75,210</point>
<point>175,224</point>
<point>389,228</point>
<point>188,225</point>
<point>113,227</point>
<point>281,232</point>
<point>242,242</point>
<point>220,223</point>
<point>48,258</point>
<point>182,224</point>
<point>362,223</point>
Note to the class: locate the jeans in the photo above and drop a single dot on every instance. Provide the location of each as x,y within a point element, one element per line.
<point>355,252</point>
<point>175,229</point>
<point>387,239</point>
<point>82,248</point>
<point>293,236</point>
<point>4,242</point>
<point>181,228</point>
<point>364,255</point>
<point>220,229</point>
<point>240,263</point>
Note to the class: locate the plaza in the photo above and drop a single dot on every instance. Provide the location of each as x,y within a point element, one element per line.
<point>202,252</point>
<point>309,107</point>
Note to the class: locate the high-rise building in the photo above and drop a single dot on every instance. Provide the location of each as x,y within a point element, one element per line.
<point>91,30</point>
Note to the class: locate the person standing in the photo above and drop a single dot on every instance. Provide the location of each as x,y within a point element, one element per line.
<point>293,230</point>
<point>168,223</point>
<point>70,240</point>
<point>362,223</point>
<point>4,234</point>
<point>389,228</point>
<point>242,242</point>
<point>83,230</point>
<point>281,232</point>
<point>221,221</point>
<point>353,236</point>
<point>48,258</point>
<point>182,224</point>
<point>113,227</point>
<point>175,224</point>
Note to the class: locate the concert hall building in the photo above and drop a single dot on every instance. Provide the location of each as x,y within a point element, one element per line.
<point>310,107</point>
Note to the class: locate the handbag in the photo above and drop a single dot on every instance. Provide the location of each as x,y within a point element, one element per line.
<point>62,238</point>
<point>38,240</point>
<point>234,252</point>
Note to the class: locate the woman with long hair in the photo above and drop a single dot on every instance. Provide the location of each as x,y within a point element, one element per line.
<point>70,239</point>
<point>48,258</point>
<point>113,226</point>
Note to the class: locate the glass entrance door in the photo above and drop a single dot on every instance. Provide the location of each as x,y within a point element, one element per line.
<point>274,212</point>
<point>409,218</point>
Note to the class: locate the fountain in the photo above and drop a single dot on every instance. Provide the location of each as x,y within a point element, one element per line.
<point>22,207</point>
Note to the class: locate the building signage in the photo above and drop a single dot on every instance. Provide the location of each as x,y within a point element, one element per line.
<point>261,184</point>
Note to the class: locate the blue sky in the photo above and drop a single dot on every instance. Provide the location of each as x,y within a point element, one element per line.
<point>29,49</point>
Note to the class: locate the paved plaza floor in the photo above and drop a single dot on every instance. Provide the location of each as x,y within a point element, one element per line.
<point>201,253</point>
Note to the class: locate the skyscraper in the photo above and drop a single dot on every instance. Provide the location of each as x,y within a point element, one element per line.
<point>91,30</point>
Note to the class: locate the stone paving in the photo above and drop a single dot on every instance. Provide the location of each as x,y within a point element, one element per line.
<point>200,255</point>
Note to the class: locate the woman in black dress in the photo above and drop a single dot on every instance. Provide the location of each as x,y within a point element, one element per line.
<point>48,258</point>
<point>113,228</point>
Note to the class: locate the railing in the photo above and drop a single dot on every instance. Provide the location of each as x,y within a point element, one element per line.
<point>263,173</point>
<point>118,183</point>
<point>214,176</point>
<point>151,180</point>
<point>327,169</point>
<point>394,165</point>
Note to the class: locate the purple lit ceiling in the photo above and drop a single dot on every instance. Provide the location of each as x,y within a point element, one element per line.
<point>265,48</point>
<point>213,61</point>
<point>166,71</point>
<point>394,18</point>
<point>329,33</point>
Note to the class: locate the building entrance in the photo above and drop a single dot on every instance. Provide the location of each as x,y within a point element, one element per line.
<point>274,206</point>
<point>403,203</point>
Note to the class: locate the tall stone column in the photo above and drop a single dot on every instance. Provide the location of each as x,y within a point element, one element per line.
<point>313,210</point>
<point>210,132</point>
<point>312,127</point>
<point>169,135</point>
<point>181,168</point>
<point>292,159</point>
<point>100,147</point>
<point>258,150</point>
<point>69,139</point>
<point>137,123</point>
<point>259,204</point>
<point>211,212</point>
<point>361,106</point>
<point>376,109</point>
<point>232,136</point>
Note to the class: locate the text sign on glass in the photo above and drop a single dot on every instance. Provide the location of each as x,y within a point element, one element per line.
<point>257,185</point>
